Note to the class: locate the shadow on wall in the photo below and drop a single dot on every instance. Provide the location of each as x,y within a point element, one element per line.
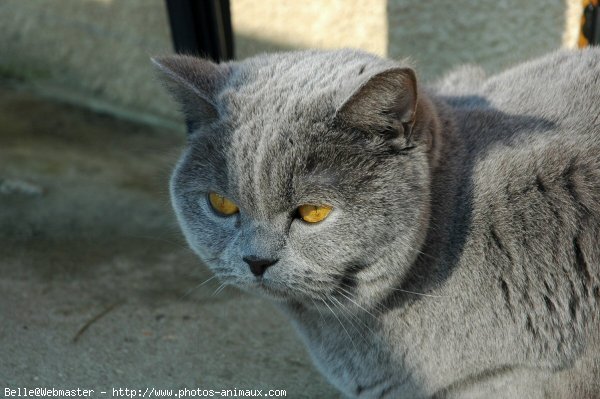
<point>129,90</point>
<point>494,34</point>
<point>96,54</point>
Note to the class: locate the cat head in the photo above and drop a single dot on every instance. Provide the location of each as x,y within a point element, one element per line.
<point>306,174</point>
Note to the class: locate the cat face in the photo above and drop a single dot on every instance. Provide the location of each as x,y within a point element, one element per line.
<point>301,179</point>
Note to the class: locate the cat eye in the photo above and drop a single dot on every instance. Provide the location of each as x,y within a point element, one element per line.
<point>222,205</point>
<point>313,213</point>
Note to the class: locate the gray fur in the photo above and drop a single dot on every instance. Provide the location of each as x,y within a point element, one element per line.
<point>462,256</point>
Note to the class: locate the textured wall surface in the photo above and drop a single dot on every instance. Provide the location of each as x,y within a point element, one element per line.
<point>286,24</point>
<point>95,52</point>
<point>492,33</point>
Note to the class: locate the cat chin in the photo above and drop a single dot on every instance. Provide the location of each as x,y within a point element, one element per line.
<point>270,292</point>
<point>271,295</point>
<point>266,291</point>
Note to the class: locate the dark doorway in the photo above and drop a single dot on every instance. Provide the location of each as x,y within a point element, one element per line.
<point>201,27</point>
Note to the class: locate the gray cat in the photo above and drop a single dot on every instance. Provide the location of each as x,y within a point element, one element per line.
<point>426,242</point>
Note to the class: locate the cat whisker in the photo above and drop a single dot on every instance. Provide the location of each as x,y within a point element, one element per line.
<point>318,310</point>
<point>207,280</point>
<point>348,295</point>
<point>320,315</point>
<point>397,289</point>
<point>341,307</point>
<point>424,254</point>
<point>419,293</point>
<point>219,289</point>
<point>339,321</point>
<point>343,314</point>
<point>353,301</point>
<point>191,290</point>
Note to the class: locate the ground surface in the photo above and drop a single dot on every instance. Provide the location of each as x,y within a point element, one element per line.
<point>96,284</point>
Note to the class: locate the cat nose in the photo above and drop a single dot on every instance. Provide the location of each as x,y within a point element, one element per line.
<point>258,265</point>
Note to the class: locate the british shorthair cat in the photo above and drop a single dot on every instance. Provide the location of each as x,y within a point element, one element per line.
<point>434,241</point>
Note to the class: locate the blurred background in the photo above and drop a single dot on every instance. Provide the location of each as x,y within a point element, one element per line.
<point>95,52</point>
<point>97,288</point>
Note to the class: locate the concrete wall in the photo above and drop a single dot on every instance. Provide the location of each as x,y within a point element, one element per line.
<point>493,33</point>
<point>289,24</point>
<point>95,52</point>
<point>92,52</point>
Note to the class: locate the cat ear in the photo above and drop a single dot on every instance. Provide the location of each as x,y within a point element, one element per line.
<point>385,104</point>
<point>194,83</point>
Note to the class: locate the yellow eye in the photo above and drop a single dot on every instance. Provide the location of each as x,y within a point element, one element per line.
<point>314,213</point>
<point>222,205</point>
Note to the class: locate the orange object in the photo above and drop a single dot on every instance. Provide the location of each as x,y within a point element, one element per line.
<point>314,213</point>
<point>586,24</point>
<point>222,205</point>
